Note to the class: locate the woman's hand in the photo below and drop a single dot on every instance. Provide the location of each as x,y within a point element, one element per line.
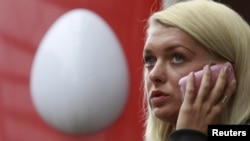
<point>198,111</point>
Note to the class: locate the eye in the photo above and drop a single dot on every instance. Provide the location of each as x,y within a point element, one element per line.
<point>178,58</point>
<point>149,61</point>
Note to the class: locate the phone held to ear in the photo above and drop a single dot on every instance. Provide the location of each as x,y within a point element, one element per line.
<point>215,69</point>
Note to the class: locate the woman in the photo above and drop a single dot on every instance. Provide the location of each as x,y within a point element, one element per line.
<point>188,37</point>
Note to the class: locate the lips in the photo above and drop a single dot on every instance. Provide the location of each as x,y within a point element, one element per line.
<point>158,98</point>
<point>157,93</point>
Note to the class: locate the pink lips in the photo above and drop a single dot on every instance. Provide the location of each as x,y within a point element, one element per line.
<point>158,98</point>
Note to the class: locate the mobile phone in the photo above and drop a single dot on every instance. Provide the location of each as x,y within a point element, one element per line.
<point>215,69</point>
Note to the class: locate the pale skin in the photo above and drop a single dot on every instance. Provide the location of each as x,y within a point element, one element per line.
<point>169,54</point>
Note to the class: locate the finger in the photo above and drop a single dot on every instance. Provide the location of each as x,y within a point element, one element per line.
<point>190,95</point>
<point>231,88</point>
<point>205,86</point>
<point>228,92</point>
<point>219,90</point>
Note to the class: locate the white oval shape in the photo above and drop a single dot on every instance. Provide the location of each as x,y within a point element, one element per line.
<point>79,76</point>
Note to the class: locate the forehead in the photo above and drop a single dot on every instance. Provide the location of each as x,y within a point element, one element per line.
<point>163,36</point>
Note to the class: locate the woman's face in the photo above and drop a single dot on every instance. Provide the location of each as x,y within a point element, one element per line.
<point>169,54</point>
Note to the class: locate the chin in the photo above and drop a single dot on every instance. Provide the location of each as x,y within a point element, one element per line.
<point>165,115</point>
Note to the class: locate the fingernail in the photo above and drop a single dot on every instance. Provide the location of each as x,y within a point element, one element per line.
<point>191,74</point>
<point>226,69</point>
<point>206,67</point>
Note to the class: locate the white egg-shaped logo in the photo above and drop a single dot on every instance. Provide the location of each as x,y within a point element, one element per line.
<point>79,77</point>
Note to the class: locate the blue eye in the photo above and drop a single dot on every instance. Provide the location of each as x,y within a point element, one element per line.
<point>178,58</point>
<point>149,61</point>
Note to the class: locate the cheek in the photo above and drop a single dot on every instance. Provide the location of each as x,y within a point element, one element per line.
<point>146,84</point>
<point>145,77</point>
<point>179,72</point>
<point>175,74</point>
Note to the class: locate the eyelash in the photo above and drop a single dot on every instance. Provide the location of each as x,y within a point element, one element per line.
<point>151,60</point>
<point>178,55</point>
<point>146,60</point>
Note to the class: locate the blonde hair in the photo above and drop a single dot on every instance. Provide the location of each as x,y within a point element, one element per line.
<point>225,35</point>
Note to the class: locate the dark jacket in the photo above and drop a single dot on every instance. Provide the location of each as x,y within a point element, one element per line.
<point>190,135</point>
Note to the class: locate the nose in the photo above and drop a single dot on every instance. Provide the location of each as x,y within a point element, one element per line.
<point>158,75</point>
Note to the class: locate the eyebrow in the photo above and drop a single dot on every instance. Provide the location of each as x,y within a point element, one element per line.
<point>167,49</point>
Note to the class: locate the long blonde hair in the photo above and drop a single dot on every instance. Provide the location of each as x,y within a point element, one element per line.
<point>225,35</point>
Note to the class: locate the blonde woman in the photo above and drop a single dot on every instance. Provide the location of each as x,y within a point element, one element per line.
<point>185,38</point>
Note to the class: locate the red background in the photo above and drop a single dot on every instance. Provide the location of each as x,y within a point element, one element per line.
<point>23,24</point>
